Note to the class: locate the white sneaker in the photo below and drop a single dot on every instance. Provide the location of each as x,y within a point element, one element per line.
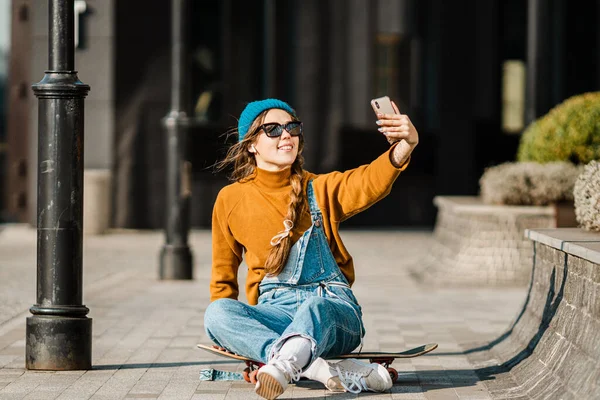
<point>357,376</point>
<point>273,378</point>
<point>321,371</point>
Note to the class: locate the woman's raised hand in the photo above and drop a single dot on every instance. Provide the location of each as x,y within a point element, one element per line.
<point>398,126</point>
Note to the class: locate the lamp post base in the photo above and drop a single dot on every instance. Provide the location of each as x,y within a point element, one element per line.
<point>176,262</point>
<point>58,343</point>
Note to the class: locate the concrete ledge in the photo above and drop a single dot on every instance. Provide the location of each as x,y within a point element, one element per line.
<point>574,241</point>
<point>477,243</point>
<point>552,350</point>
<point>474,205</point>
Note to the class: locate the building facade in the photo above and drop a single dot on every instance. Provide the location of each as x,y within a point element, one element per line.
<point>460,70</point>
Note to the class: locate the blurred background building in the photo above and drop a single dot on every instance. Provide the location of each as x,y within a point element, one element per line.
<point>459,69</point>
<point>4,52</point>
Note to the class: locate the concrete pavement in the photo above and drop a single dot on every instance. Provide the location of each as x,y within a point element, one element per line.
<point>145,330</point>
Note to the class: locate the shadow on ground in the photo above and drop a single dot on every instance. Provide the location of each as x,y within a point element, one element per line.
<point>520,350</point>
<point>159,365</point>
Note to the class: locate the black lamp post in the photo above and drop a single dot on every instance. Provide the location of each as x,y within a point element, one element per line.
<point>176,261</point>
<point>59,335</point>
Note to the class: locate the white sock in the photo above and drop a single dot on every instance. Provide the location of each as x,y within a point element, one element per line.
<point>298,347</point>
<point>320,371</point>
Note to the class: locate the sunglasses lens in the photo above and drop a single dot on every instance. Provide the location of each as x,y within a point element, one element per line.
<point>272,130</point>
<point>294,128</point>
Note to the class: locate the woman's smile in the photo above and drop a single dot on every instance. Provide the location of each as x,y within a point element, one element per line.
<point>286,147</point>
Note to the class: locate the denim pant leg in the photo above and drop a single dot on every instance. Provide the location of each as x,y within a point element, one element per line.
<point>246,330</point>
<point>331,324</point>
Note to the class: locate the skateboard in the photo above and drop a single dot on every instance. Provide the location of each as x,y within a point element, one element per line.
<point>385,359</point>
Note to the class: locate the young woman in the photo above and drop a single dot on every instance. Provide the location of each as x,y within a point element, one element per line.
<point>284,221</point>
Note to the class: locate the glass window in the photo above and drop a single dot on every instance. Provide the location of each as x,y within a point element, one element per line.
<point>386,68</point>
<point>206,60</point>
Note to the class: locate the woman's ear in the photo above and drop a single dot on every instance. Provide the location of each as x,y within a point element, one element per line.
<point>251,148</point>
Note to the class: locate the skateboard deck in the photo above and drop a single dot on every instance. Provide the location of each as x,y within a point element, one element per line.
<point>382,358</point>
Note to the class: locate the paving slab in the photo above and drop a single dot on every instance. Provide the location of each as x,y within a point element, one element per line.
<point>145,330</point>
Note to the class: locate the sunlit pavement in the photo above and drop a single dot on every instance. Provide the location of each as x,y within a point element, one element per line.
<point>145,330</point>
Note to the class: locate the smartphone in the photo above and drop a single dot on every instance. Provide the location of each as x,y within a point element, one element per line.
<point>382,105</point>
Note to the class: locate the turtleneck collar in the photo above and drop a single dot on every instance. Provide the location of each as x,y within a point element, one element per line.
<point>272,180</point>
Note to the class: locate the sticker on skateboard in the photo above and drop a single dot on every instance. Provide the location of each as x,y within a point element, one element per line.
<point>385,359</point>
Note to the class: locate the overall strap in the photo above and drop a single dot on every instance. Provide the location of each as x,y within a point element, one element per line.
<point>312,201</point>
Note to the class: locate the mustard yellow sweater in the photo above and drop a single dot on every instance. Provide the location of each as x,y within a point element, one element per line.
<point>247,215</point>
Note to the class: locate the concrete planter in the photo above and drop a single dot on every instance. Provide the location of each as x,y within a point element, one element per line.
<point>477,243</point>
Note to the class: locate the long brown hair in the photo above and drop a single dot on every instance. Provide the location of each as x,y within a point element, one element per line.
<point>244,166</point>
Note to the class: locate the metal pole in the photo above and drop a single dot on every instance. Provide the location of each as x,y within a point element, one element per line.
<point>176,256</point>
<point>532,61</point>
<point>538,95</point>
<point>59,335</point>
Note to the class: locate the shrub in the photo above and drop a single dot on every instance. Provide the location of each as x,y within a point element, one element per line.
<point>528,183</point>
<point>568,132</point>
<point>587,197</point>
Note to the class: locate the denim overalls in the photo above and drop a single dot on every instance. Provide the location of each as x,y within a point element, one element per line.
<point>310,297</point>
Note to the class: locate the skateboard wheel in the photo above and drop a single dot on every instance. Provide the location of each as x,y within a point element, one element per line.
<point>253,376</point>
<point>246,374</point>
<point>393,374</point>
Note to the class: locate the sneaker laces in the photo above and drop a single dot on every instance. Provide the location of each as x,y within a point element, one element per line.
<point>287,366</point>
<point>353,382</point>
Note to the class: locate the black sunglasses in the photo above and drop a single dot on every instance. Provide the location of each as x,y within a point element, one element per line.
<point>273,129</point>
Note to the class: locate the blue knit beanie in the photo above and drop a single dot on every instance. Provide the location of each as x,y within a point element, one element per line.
<point>254,108</point>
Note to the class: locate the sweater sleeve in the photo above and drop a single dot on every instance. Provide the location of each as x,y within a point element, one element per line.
<point>226,255</point>
<point>350,192</point>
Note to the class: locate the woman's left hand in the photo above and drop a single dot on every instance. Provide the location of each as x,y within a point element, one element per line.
<point>398,127</point>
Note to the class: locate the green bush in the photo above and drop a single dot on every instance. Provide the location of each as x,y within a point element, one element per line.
<point>587,197</point>
<point>569,132</point>
<point>528,183</point>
